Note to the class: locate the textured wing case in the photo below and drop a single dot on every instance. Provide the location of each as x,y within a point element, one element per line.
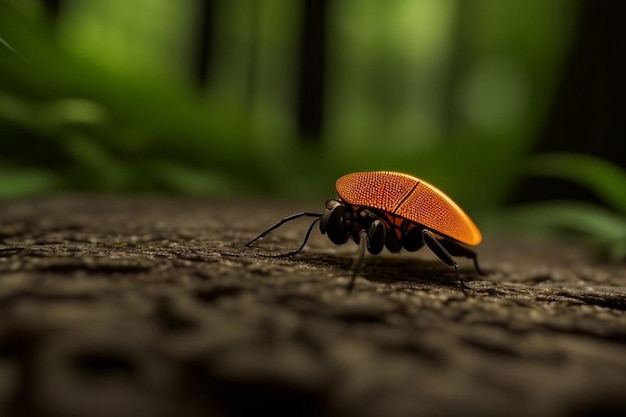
<point>409,198</point>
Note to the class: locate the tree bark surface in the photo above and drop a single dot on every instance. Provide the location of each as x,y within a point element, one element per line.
<point>154,307</point>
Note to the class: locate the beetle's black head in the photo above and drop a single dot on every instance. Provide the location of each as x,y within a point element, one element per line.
<point>342,221</point>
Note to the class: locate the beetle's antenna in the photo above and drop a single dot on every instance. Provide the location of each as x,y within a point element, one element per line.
<point>285,220</point>
<point>306,238</point>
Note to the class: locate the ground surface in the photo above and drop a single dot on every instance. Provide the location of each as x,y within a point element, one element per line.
<point>135,307</point>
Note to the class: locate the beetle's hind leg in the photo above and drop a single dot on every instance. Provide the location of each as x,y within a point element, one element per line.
<point>442,253</point>
<point>457,250</point>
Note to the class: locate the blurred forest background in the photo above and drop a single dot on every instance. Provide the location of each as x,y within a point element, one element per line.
<point>278,98</point>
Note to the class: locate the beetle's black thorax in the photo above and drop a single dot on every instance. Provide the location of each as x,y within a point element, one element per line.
<point>342,221</point>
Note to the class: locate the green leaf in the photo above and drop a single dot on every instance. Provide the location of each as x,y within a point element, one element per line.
<point>10,48</point>
<point>189,180</point>
<point>602,226</point>
<point>19,182</point>
<point>602,177</point>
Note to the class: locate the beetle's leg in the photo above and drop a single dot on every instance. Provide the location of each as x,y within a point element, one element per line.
<point>376,237</point>
<point>283,221</point>
<point>373,240</point>
<point>435,245</point>
<point>456,249</point>
<point>358,261</point>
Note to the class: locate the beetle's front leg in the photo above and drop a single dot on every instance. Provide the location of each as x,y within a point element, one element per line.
<point>373,240</point>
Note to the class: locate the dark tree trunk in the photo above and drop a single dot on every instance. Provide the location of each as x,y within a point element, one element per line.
<point>587,114</point>
<point>53,10</point>
<point>252,69</point>
<point>204,43</point>
<point>456,66</point>
<point>312,69</point>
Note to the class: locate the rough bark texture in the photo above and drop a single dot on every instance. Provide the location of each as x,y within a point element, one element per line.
<point>137,307</point>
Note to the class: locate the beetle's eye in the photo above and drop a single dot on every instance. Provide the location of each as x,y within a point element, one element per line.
<point>347,222</point>
<point>333,210</point>
<point>334,225</point>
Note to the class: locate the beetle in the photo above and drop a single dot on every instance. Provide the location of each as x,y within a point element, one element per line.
<point>380,209</point>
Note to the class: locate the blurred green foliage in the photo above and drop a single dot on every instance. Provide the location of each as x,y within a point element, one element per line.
<point>448,90</point>
<point>602,225</point>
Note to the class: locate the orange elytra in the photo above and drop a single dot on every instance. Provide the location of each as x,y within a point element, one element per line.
<point>389,209</point>
<point>409,198</point>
